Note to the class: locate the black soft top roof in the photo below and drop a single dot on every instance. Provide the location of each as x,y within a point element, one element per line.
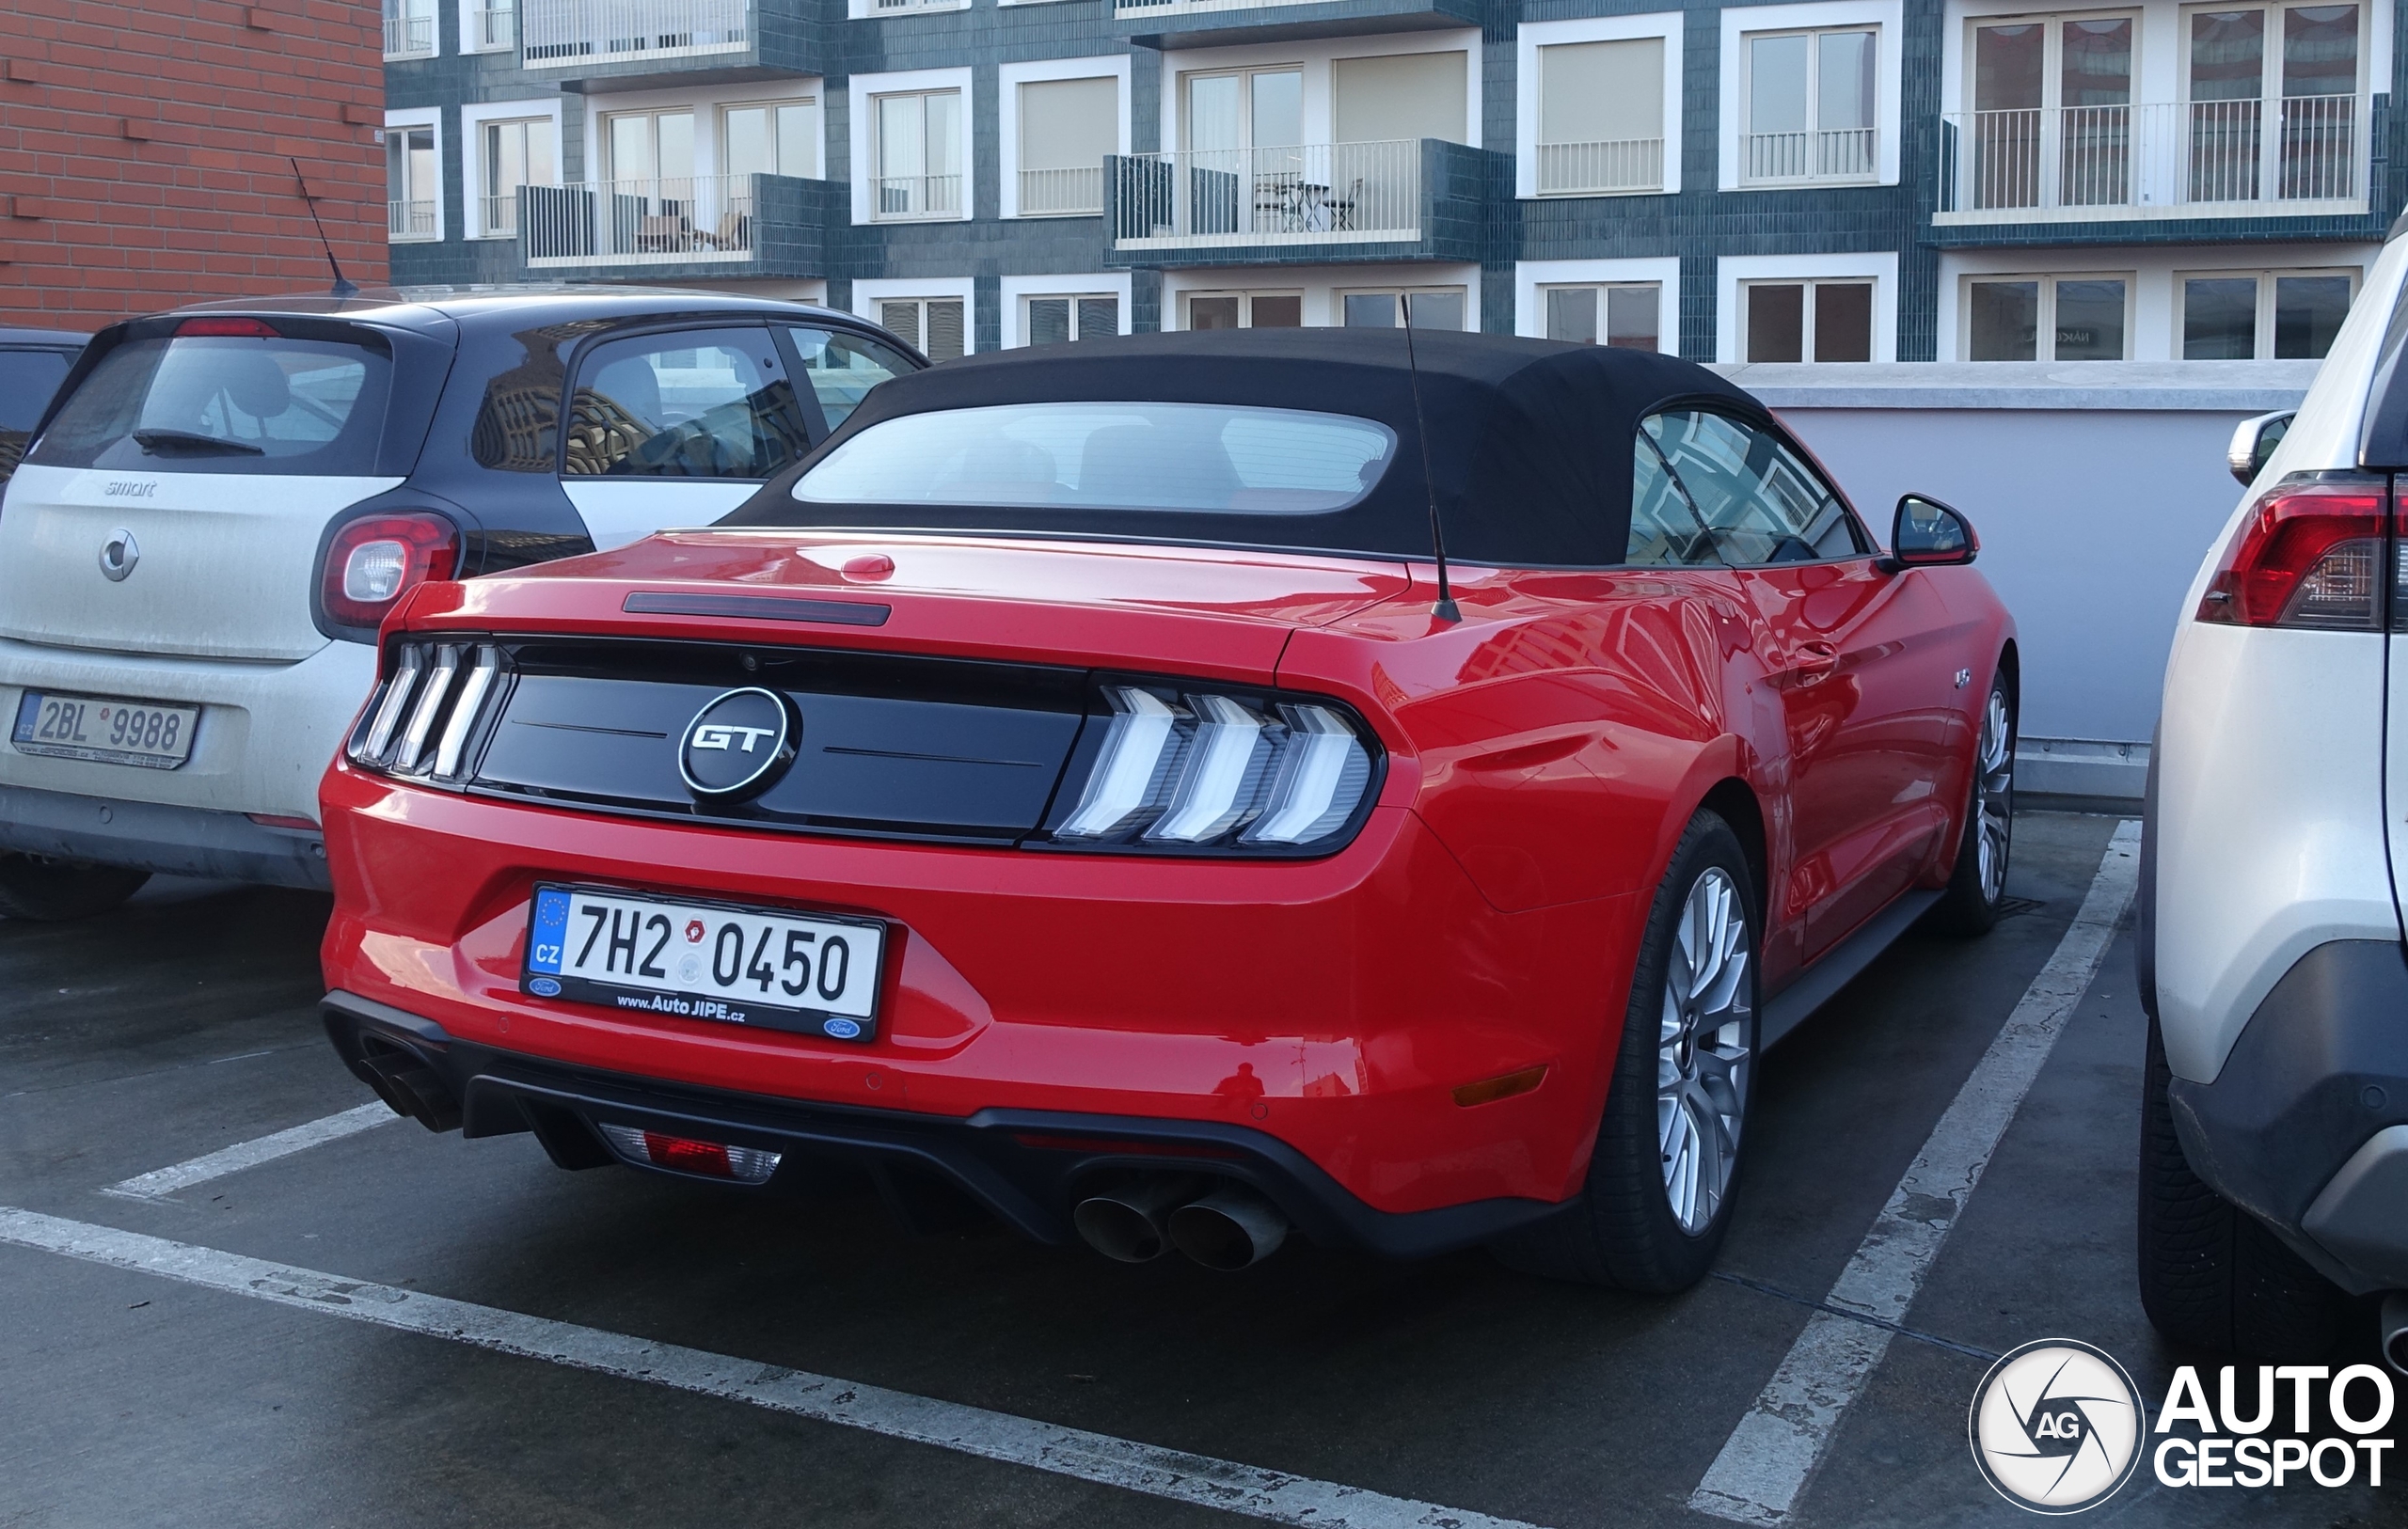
<point>1530,441</point>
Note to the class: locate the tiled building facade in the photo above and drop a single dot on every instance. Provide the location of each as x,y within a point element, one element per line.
<point>1820,180</point>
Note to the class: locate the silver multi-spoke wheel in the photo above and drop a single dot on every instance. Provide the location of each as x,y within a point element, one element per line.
<point>1705,1044</point>
<point>1994,795</point>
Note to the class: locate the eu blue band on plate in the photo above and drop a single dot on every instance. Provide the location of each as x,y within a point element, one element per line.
<point>544,940</point>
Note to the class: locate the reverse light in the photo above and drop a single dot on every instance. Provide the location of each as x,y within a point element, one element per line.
<point>686,1155</point>
<point>2308,556</point>
<point>373,561</point>
<point>424,714</point>
<point>1203,771</point>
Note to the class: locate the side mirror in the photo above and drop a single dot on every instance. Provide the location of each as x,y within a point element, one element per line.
<point>2254,441</point>
<point>1928,534</point>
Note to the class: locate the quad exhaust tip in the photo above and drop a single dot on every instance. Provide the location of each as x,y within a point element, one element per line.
<point>2394,1331</point>
<point>1130,1224</point>
<point>1228,1228</point>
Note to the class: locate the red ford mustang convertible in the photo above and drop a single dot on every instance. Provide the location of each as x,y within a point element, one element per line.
<point>1165,794</point>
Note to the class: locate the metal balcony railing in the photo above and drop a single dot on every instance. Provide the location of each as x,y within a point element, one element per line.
<point>1060,192</point>
<point>1310,194</point>
<point>901,198</point>
<point>1823,155</point>
<point>660,221</point>
<point>2293,148</point>
<point>494,24</point>
<point>1190,8</point>
<point>409,219</point>
<point>1568,169</point>
<point>499,211</point>
<point>556,33</point>
<point>409,31</point>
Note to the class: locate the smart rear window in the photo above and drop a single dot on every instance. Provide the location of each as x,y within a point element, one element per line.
<point>225,403</point>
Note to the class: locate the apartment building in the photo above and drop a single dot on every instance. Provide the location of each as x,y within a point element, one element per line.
<point>1819,180</point>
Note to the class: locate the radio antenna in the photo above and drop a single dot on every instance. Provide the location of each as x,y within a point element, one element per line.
<point>1445,609</point>
<point>343,284</point>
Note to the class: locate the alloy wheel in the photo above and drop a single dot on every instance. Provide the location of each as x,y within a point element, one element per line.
<point>1994,797</point>
<point>1705,1044</point>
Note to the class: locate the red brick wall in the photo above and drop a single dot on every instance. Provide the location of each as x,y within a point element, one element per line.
<point>142,153</point>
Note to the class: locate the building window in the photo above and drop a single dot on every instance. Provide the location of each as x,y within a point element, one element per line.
<point>1601,117</point>
<point>1433,307</point>
<point>919,155</point>
<point>409,28</point>
<point>769,137</point>
<point>1810,99</point>
<point>1244,310</point>
<point>513,155</point>
<point>2082,318</point>
<point>934,325</point>
<point>2272,102</point>
<point>413,191</point>
<point>1067,127</point>
<point>651,153</point>
<point>1628,314</point>
<point>1806,321</point>
<point>2247,315</point>
<point>493,25</point>
<point>1053,319</point>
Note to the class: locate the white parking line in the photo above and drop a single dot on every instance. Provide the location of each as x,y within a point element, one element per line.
<point>162,1182</point>
<point>1770,1456</point>
<point>970,1430</point>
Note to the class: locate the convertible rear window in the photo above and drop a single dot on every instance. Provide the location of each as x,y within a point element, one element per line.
<point>1196,458</point>
<point>240,403</point>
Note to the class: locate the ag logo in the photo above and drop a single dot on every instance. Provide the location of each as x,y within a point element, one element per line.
<point>2056,1426</point>
<point>738,745</point>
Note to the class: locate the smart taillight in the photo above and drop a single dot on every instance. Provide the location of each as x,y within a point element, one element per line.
<point>2308,556</point>
<point>372,562</point>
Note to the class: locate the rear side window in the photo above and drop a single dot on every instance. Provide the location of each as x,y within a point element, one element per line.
<point>842,368</point>
<point>1665,530</point>
<point>696,404</point>
<point>1761,504</point>
<point>225,404</point>
<point>27,378</point>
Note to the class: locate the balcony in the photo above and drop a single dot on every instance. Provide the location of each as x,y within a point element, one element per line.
<point>409,30</point>
<point>493,24</point>
<point>2292,156</point>
<point>409,219</point>
<point>696,226</point>
<point>1604,168</point>
<point>1070,192</point>
<point>1186,23</point>
<point>1411,198</point>
<point>633,44</point>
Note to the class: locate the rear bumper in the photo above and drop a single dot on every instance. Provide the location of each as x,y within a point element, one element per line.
<point>1027,1167</point>
<point>149,836</point>
<point>2306,1124</point>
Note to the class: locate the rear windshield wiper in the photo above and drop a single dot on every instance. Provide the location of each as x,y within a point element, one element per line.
<point>157,441</point>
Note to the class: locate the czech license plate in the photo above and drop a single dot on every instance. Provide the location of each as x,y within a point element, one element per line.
<point>740,965</point>
<point>104,729</point>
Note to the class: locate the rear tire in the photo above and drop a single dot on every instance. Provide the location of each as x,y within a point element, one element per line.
<point>1656,1201</point>
<point>2212,1276</point>
<point>1978,888</point>
<point>50,892</point>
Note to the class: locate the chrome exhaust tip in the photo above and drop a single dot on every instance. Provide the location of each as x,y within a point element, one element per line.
<point>2394,1331</point>
<point>1128,1224</point>
<point>1228,1229</point>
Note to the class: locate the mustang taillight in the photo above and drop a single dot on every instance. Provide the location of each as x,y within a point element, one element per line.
<point>427,709</point>
<point>1182,770</point>
<point>2308,556</point>
<point>373,561</point>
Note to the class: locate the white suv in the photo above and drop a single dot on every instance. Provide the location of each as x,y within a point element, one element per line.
<point>2274,1141</point>
<point>225,501</point>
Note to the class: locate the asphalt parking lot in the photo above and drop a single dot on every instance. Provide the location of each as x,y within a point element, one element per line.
<point>161,1377</point>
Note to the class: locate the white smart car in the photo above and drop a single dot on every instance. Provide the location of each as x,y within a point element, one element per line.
<point>2274,1144</point>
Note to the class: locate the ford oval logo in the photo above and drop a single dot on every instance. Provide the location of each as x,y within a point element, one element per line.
<point>738,745</point>
<point>841,1028</point>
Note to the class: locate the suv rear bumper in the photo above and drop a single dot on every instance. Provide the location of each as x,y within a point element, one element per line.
<point>151,836</point>
<point>2306,1124</point>
<point>1027,1167</point>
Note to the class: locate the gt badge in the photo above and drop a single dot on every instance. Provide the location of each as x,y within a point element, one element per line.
<point>738,745</point>
<point>1964,678</point>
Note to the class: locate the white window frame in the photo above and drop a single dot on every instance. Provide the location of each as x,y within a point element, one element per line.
<point>869,10</point>
<point>420,117</point>
<point>861,92</point>
<point>867,294</point>
<point>1733,269</point>
<point>1533,279</point>
<point>1886,19</point>
<point>1403,292</point>
<point>1018,290</point>
<point>787,93</point>
<point>1174,303</point>
<point>433,10</point>
<point>1010,77</point>
<point>473,121</point>
<point>1967,281</point>
<point>1318,58</point>
<point>470,10</point>
<point>1529,37</point>
<point>2263,344</point>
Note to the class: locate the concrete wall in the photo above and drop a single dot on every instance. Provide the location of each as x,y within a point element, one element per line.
<point>2097,489</point>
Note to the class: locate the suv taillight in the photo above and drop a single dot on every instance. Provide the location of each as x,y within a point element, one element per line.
<point>2308,556</point>
<point>374,560</point>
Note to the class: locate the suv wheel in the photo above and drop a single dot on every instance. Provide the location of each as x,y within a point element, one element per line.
<point>1656,1200</point>
<point>37,886</point>
<point>2212,1276</point>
